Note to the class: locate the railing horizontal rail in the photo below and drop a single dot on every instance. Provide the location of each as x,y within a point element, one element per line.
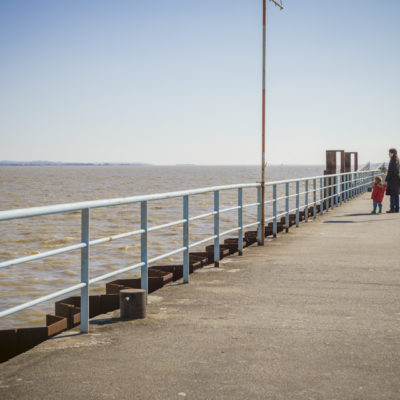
<point>158,227</point>
<point>202,241</point>
<point>41,299</point>
<point>113,273</point>
<point>45,254</point>
<point>115,237</point>
<point>61,208</point>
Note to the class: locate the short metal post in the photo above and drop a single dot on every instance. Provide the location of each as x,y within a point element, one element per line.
<point>143,247</point>
<point>85,238</point>
<point>186,239</point>
<point>321,195</point>
<point>259,215</point>
<point>274,225</point>
<point>297,203</point>
<point>287,204</point>
<point>315,198</point>
<point>216,228</point>
<point>306,200</point>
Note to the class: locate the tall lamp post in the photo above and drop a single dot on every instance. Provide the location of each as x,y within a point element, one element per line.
<point>264,53</point>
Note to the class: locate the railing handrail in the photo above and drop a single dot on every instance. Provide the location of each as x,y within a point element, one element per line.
<point>353,184</point>
<point>69,207</point>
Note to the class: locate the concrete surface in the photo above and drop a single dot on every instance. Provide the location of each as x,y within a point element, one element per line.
<point>315,314</point>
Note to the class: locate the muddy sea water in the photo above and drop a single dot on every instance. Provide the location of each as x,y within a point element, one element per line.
<point>26,186</point>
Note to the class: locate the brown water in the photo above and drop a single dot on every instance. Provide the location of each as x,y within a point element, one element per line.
<point>22,187</point>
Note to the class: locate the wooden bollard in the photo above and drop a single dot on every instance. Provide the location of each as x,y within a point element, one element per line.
<point>132,303</point>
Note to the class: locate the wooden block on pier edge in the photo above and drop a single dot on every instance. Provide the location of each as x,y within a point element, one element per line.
<point>233,244</point>
<point>175,270</point>
<point>251,237</point>
<point>223,252</point>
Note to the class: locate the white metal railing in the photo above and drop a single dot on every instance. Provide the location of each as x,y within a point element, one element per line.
<point>327,191</point>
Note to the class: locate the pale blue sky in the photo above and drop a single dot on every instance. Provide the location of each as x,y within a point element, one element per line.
<point>179,81</point>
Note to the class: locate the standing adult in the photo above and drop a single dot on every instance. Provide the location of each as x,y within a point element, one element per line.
<point>392,181</point>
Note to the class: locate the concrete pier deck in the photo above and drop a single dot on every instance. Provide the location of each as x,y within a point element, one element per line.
<point>314,314</point>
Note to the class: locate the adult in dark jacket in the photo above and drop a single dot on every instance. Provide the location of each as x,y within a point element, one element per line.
<point>392,181</point>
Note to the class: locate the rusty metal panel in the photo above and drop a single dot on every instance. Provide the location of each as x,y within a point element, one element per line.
<point>55,324</point>
<point>347,161</point>
<point>330,162</point>
<point>8,344</point>
<point>30,337</point>
<point>109,302</point>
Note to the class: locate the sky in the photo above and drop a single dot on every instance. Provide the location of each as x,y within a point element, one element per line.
<point>179,81</point>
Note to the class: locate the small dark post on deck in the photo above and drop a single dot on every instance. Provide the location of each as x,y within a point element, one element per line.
<point>132,303</point>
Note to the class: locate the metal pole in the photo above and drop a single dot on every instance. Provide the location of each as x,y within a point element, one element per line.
<point>287,205</point>
<point>274,210</point>
<point>315,198</point>
<point>259,216</point>
<point>264,44</point>
<point>216,229</point>
<point>85,237</point>
<point>306,200</point>
<point>240,221</point>
<point>297,203</point>
<point>186,239</point>
<point>143,247</point>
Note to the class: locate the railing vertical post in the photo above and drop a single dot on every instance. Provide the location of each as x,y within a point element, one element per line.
<point>332,191</point>
<point>373,178</point>
<point>274,210</point>
<point>143,247</point>
<point>340,189</point>
<point>352,185</point>
<point>315,198</point>
<point>347,187</point>
<point>216,228</point>
<point>259,214</point>
<point>297,203</point>
<point>321,195</point>
<point>306,200</point>
<point>287,205</point>
<point>186,239</point>
<point>356,184</point>
<point>85,238</point>
<point>240,221</point>
<point>336,191</point>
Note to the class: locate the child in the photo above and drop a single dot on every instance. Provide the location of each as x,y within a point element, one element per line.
<point>378,191</point>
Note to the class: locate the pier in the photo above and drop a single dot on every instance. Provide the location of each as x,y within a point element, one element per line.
<point>313,314</point>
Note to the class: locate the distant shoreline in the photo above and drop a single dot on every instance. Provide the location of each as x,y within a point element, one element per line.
<point>77,164</point>
<point>56,164</point>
